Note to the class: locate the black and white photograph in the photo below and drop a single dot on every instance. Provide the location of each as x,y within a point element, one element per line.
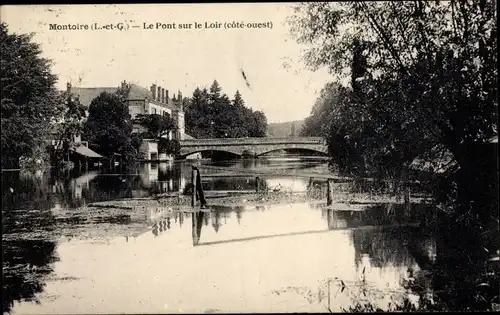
<point>274,157</point>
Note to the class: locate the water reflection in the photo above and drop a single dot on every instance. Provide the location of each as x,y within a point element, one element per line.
<point>367,250</point>
<point>25,260</point>
<point>25,264</point>
<point>197,223</point>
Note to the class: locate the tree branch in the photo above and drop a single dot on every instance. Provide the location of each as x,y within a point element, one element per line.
<point>385,39</point>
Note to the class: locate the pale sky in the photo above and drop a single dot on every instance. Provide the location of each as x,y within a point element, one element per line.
<point>178,59</point>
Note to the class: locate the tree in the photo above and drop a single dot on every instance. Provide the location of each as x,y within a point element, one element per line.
<point>423,80</point>
<point>440,56</point>
<point>70,126</point>
<point>429,66</point>
<point>238,101</point>
<point>259,126</point>
<point>215,91</point>
<point>169,146</point>
<point>213,115</point>
<point>158,126</point>
<point>29,99</point>
<point>317,123</point>
<point>109,125</point>
<point>197,114</point>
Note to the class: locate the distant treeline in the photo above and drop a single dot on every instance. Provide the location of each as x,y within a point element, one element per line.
<point>211,114</point>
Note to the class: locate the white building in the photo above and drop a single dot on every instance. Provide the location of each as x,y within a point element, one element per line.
<point>140,100</point>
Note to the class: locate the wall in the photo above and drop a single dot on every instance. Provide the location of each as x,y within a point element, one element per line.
<point>178,116</point>
<point>135,108</point>
<point>158,109</point>
<point>148,147</point>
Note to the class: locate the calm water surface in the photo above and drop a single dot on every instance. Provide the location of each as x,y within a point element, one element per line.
<point>281,258</point>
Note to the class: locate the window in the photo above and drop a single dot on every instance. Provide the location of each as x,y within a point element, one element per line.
<point>154,110</point>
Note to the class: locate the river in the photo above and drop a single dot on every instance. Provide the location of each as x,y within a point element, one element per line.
<point>288,257</point>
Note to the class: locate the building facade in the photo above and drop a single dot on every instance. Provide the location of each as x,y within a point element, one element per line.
<point>140,100</point>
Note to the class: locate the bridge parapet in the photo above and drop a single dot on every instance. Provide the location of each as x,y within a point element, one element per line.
<point>252,141</point>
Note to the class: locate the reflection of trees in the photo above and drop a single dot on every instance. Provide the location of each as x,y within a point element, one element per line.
<point>197,224</point>
<point>239,212</point>
<point>100,188</point>
<point>25,263</point>
<point>382,214</point>
<point>25,192</point>
<point>334,220</point>
<point>249,163</point>
<point>216,221</point>
<point>232,183</point>
<point>181,218</point>
<point>165,171</point>
<point>161,226</point>
<point>459,279</point>
<point>19,197</point>
<point>206,216</point>
<point>462,278</point>
<point>385,247</point>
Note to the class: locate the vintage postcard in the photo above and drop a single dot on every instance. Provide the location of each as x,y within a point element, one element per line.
<point>250,157</point>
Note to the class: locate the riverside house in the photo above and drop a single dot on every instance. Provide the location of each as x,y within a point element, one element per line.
<point>140,100</point>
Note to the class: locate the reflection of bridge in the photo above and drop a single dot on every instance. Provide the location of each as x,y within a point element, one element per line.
<point>252,146</point>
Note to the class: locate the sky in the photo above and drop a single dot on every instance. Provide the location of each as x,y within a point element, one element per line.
<point>178,59</point>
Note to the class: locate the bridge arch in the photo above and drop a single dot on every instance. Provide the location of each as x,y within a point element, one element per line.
<point>321,148</point>
<point>183,154</point>
<point>255,146</point>
<point>317,150</point>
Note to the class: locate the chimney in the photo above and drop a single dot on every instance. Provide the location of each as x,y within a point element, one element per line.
<point>153,91</point>
<point>179,95</point>
<point>159,94</point>
<point>124,84</point>
<point>166,96</point>
<point>68,87</point>
<point>162,95</point>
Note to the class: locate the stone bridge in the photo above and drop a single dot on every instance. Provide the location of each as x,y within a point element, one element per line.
<point>252,146</point>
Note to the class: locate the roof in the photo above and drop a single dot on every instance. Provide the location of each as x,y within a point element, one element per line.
<point>136,92</point>
<point>86,95</point>
<point>85,151</point>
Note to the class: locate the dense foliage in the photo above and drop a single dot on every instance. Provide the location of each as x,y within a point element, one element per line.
<point>108,127</point>
<point>211,114</point>
<point>157,125</point>
<point>423,85</point>
<point>29,99</point>
<point>423,74</point>
<point>158,128</point>
<point>67,129</point>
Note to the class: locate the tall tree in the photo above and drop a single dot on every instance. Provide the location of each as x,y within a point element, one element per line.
<point>211,114</point>
<point>157,126</point>
<point>331,97</point>
<point>69,128</point>
<point>29,100</point>
<point>215,91</point>
<point>430,85</point>
<point>109,125</point>
<point>238,101</point>
<point>433,65</point>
